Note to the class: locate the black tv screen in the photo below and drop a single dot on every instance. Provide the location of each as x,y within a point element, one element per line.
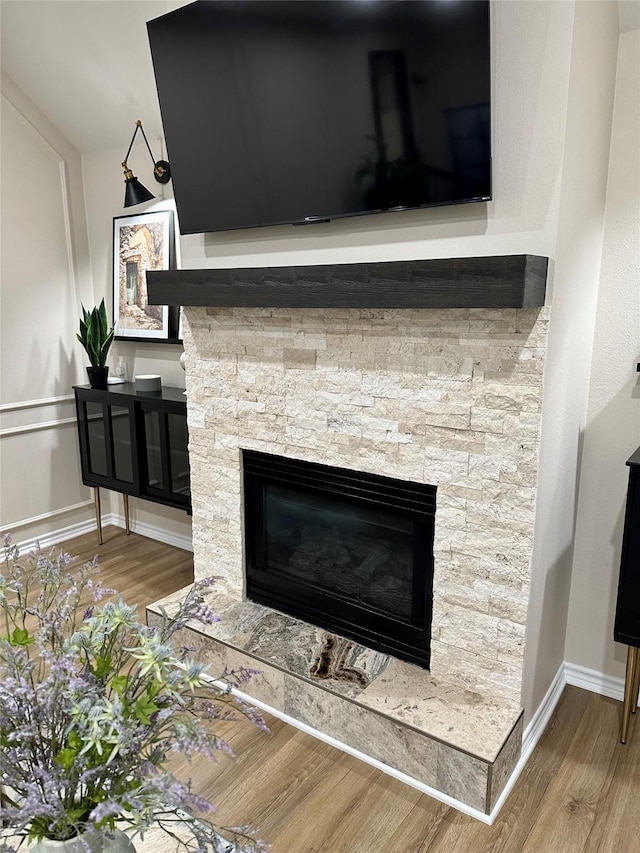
<point>307,110</point>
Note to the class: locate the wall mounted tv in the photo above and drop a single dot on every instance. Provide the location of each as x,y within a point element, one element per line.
<point>307,110</point>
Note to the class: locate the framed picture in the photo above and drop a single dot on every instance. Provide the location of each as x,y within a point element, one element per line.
<point>141,242</point>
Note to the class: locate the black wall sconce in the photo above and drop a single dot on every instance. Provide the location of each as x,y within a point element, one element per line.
<point>135,192</point>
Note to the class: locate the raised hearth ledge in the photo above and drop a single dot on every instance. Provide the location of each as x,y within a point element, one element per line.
<point>452,740</point>
<point>498,281</point>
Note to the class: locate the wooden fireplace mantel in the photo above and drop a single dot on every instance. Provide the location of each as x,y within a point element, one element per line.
<point>498,281</point>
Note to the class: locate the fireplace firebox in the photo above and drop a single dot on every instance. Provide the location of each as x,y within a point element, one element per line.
<point>348,551</point>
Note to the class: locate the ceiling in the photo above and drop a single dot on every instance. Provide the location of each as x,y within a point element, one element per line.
<point>86,63</point>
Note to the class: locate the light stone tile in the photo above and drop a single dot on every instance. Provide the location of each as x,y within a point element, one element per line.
<point>521,448</point>
<point>496,544</point>
<point>504,602</point>
<point>525,474</point>
<point>516,374</point>
<point>231,413</point>
<point>533,325</point>
<point>526,424</point>
<point>460,718</point>
<point>508,398</point>
<point>458,368</point>
<point>266,683</point>
<point>504,764</point>
<point>309,340</point>
<point>462,777</point>
<point>467,629</point>
<point>450,517</point>
<point>510,639</point>
<point>492,324</point>
<point>515,519</point>
<point>503,315</point>
<point>395,745</point>
<point>471,597</point>
<point>448,499</point>
<point>507,576</point>
<point>487,420</point>
<point>339,382</point>
<point>299,359</point>
<point>387,386</point>
<point>506,494</point>
<point>487,676</point>
<point>456,440</point>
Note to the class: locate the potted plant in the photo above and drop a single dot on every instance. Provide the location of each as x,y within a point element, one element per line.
<point>96,337</point>
<point>92,705</point>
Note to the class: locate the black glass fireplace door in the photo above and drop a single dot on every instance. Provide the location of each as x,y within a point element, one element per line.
<point>348,551</point>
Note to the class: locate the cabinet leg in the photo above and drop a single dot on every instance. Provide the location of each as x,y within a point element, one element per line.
<point>630,678</point>
<point>125,499</point>
<point>96,504</point>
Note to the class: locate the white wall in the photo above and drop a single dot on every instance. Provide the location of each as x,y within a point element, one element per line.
<point>573,310</point>
<point>45,273</point>
<point>57,214</point>
<point>612,429</point>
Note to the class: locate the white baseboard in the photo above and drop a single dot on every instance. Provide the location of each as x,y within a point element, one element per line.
<point>538,723</point>
<point>178,540</point>
<point>62,534</point>
<point>594,681</point>
<point>48,540</point>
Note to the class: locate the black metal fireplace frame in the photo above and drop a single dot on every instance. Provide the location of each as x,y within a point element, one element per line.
<point>406,639</point>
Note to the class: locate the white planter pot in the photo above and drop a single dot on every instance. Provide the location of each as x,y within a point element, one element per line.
<point>120,843</point>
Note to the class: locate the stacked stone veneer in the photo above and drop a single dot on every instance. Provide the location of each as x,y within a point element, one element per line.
<point>450,397</point>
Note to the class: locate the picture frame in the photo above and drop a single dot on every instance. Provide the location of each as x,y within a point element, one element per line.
<point>141,242</point>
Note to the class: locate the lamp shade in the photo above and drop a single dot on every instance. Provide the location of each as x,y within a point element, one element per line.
<point>135,192</point>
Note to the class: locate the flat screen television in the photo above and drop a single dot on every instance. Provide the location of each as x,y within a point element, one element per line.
<point>303,111</point>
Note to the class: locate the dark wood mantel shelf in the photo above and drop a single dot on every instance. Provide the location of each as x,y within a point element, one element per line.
<point>499,281</point>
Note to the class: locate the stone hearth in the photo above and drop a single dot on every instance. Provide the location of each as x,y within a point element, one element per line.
<point>453,741</point>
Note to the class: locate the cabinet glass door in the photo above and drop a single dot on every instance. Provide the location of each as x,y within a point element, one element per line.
<point>109,432</point>
<point>166,441</point>
<point>178,453</point>
<point>122,451</point>
<point>152,429</point>
<point>96,439</point>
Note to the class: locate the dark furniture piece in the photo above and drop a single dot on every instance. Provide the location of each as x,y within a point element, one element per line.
<point>627,622</point>
<point>135,443</point>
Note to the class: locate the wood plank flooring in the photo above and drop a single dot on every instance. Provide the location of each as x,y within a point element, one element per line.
<point>579,793</point>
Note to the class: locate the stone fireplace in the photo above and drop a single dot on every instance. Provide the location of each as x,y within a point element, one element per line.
<point>444,397</point>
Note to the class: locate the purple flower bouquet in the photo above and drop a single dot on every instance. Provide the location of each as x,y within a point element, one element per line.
<point>93,704</point>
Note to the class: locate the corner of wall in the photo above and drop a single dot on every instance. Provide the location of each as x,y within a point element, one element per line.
<point>575,294</point>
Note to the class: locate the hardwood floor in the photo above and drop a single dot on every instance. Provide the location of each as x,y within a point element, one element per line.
<point>579,793</point>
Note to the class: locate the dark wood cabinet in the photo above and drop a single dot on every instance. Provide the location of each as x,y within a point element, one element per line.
<point>135,443</point>
<point>627,621</point>
<point>627,624</point>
